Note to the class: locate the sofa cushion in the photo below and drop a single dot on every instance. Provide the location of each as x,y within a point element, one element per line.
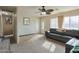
<point>76,33</point>
<point>69,33</point>
<point>58,32</point>
<point>53,30</point>
<point>59,37</point>
<point>72,33</point>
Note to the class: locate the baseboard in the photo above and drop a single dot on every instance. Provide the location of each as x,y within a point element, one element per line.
<point>27,34</point>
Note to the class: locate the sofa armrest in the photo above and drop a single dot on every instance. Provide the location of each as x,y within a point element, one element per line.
<point>70,44</point>
<point>46,33</point>
<point>73,42</point>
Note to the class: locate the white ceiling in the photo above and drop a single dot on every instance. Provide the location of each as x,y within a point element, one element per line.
<point>52,7</point>
<point>8,8</point>
<point>37,7</point>
<point>34,9</point>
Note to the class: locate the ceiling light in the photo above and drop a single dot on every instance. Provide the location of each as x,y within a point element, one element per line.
<point>43,13</point>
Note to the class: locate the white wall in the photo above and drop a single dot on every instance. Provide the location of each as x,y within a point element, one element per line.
<point>0,25</point>
<point>33,27</point>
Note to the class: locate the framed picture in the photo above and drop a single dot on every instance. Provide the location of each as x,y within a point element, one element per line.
<point>8,20</point>
<point>26,20</point>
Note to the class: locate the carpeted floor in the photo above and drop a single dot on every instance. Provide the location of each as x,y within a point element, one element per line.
<point>37,43</point>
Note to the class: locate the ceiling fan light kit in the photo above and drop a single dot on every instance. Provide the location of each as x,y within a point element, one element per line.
<point>44,11</point>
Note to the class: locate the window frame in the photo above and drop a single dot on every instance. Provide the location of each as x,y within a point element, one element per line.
<point>70,21</point>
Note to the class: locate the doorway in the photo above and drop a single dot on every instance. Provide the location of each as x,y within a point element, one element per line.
<point>8,22</point>
<point>42,26</point>
<point>9,28</point>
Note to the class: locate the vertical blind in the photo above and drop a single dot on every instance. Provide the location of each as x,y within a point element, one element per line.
<point>54,23</point>
<point>71,22</point>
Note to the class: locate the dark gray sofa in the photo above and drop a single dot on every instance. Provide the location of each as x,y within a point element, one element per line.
<point>62,36</point>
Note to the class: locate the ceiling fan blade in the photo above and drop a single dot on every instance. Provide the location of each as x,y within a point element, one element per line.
<point>50,10</point>
<point>40,9</point>
<point>48,13</point>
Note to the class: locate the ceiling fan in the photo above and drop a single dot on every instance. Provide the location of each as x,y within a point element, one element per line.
<point>45,11</point>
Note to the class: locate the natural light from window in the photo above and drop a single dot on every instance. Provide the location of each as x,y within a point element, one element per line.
<point>71,22</point>
<point>54,23</point>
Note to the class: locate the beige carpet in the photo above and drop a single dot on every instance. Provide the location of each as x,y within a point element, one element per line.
<point>37,43</point>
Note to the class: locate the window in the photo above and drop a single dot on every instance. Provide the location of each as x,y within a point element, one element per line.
<point>66,22</point>
<point>71,22</point>
<point>54,23</point>
<point>74,22</point>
